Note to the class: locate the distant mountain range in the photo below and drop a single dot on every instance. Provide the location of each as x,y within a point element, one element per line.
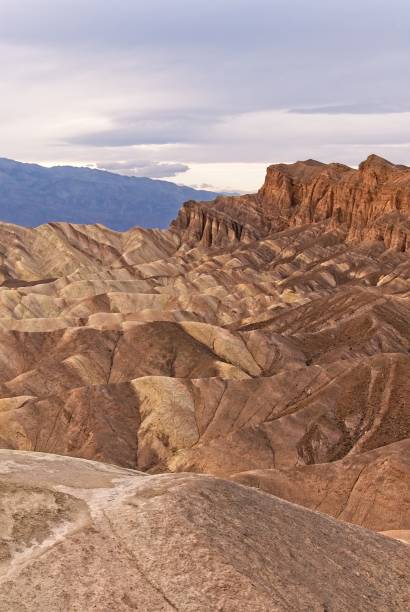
<point>31,195</point>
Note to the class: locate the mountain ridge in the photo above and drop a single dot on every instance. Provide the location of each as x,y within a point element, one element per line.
<point>31,195</point>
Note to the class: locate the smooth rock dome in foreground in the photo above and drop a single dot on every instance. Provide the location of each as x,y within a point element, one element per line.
<point>79,535</point>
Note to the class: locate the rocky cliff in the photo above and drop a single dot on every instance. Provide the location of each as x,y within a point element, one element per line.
<point>370,203</point>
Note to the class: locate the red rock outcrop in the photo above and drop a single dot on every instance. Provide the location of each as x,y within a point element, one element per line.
<point>370,203</point>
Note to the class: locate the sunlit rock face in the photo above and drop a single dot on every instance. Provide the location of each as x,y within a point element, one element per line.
<point>263,338</point>
<point>372,202</point>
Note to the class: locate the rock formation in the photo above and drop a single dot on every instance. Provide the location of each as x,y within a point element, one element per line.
<point>263,339</point>
<point>372,203</point>
<point>77,535</point>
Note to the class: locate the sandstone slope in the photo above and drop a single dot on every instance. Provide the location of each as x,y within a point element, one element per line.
<point>263,338</point>
<point>77,535</point>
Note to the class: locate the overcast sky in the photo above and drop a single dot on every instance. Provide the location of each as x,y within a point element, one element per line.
<point>204,92</point>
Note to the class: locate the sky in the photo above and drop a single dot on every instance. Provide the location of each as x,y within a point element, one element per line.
<point>204,93</point>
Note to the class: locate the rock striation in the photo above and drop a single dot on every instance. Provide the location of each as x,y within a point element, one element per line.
<point>263,339</point>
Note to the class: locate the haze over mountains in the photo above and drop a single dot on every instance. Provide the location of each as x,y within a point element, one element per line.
<point>262,340</point>
<point>31,195</point>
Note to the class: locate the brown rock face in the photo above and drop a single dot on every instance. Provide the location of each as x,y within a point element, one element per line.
<point>369,489</point>
<point>262,338</point>
<point>371,203</point>
<point>78,535</point>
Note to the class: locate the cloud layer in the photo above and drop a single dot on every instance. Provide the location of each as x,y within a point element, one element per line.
<point>166,85</point>
<point>140,168</point>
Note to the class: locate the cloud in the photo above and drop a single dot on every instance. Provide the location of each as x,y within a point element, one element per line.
<point>144,168</point>
<point>154,128</point>
<point>353,109</point>
<point>204,186</point>
<point>204,82</point>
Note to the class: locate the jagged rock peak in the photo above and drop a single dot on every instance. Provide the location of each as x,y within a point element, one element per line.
<point>379,168</point>
<point>376,161</point>
<point>366,203</point>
